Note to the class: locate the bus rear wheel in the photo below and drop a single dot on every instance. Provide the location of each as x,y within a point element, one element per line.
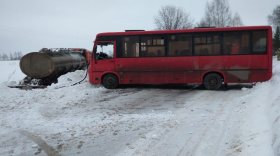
<point>212,81</point>
<point>110,81</point>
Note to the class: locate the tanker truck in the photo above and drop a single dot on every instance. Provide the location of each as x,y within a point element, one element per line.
<point>44,67</point>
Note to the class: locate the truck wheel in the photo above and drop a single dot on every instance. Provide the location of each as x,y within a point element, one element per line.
<point>212,81</point>
<point>110,81</point>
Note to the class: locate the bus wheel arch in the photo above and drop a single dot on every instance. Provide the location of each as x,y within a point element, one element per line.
<point>213,80</point>
<point>110,80</point>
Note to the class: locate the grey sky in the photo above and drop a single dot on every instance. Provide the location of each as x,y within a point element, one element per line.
<point>29,25</point>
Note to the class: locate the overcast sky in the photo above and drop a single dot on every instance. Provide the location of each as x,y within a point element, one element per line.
<point>29,25</point>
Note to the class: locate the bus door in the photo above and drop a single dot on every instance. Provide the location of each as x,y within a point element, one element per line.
<point>104,56</point>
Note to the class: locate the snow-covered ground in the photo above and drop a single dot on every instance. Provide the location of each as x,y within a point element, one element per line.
<point>91,120</point>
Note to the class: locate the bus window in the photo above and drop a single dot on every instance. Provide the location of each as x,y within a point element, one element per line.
<point>236,43</point>
<point>152,46</point>
<point>130,46</point>
<point>208,44</point>
<point>105,50</point>
<point>179,45</point>
<point>259,42</point>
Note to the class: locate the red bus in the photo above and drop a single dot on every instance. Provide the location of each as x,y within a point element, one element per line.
<point>209,56</point>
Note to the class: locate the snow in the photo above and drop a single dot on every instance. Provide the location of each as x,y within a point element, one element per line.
<point>91,120</point>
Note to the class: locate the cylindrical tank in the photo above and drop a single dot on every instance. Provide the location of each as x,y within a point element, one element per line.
<point>48,64</point>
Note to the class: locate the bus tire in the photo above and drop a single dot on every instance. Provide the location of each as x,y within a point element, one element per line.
<point>213,81</point>
<point>110,81</point>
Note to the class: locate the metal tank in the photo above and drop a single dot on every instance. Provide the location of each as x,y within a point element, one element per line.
<point>48,64</point>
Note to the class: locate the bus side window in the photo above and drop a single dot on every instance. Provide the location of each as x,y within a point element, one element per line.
<point>130,46</point>
<point>236,43</point>
<point>207,44</point>
<point>105,50</point>
<point>259,42</point>
<point>180,45</point>
<point>235,47</point>
<point>152,46</point>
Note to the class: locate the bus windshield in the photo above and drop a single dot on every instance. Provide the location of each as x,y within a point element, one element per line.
<point>104,50</point>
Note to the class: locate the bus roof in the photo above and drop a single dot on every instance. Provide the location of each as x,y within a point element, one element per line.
<point>210,29</point>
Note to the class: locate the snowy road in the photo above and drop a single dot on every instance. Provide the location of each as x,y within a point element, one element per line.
<point>91,120</point>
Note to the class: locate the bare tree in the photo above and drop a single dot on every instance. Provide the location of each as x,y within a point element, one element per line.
<point>218,13</point>
<point>274,18</point>
<point>236,20</point>
<point>171,17</point>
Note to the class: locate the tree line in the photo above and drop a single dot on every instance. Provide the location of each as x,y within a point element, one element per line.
<point>217,14</point>
<point>274,20</point>
<point>11,56</point>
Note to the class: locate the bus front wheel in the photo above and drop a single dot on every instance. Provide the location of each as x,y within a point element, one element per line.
<point>110,81</point>
<point>212,81</point>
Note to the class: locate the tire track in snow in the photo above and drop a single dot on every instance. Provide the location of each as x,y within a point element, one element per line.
<point>185,151</point>
<point>145,107</point>
<point>139,100</point>
<point>177,96</point>
<point>178,140</point>
<point>195,140</point>
<point>214,132</point>
<point>143,146</point>
<point>50,151</point>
